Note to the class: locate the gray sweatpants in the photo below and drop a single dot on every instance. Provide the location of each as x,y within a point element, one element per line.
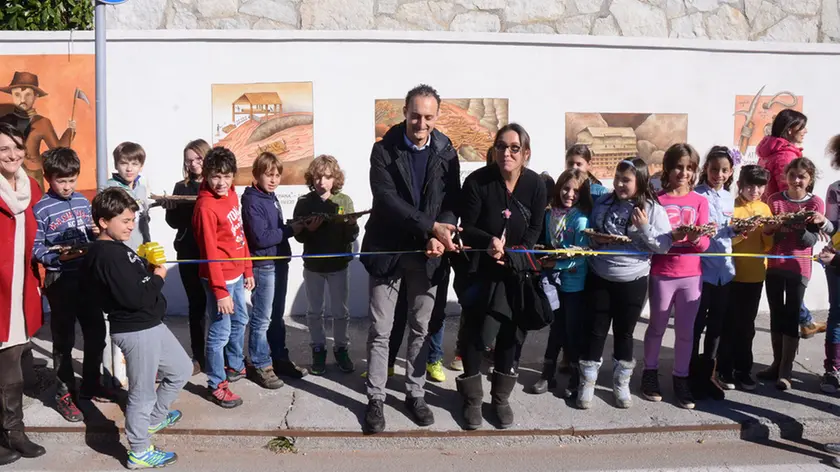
<point>147,352</point>
<point>338,283</point>
<point>383,301</point>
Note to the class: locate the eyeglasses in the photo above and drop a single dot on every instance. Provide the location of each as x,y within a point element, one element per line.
<point>514,149</point>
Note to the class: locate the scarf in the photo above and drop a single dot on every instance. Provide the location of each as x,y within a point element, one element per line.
<point>17,199</point>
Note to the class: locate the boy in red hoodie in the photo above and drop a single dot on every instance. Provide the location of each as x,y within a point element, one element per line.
<point>217,224</point>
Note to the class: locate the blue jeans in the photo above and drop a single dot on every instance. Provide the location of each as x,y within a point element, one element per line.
<point>225,333</point>
<point>267,340</point>
<point>805,317</point>
<point>832,332</point>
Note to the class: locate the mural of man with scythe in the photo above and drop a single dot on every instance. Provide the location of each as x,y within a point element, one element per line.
<point>37,129</point>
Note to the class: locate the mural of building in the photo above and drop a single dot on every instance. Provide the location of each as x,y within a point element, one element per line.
<point>256,105</point>
<point>609,146</point>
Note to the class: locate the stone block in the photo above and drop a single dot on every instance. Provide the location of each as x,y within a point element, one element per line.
<point>589,6</point>
<point>639,19</point>
<point>688,27</point>
<point>606,27</point>
<point>534,11</point>
<point>534,28</point>
<point>217,8</point>
<point>727,23</point>
<point>793,29</point>
<point>137,14</point>
<point>336,14</point>
<point>476,21</point>
<point>831,18</point>
<point>282,11</point>
<point>762,14</point>
<point>579,24</point>
<point>430,16</point>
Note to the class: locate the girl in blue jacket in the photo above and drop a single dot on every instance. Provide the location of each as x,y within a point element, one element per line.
<point>565,220</point>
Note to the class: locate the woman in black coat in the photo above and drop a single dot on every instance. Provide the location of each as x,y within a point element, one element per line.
<point>503,206</point>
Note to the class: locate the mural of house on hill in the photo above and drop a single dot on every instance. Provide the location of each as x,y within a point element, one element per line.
<point>471,123</point>
<point>276,117</point>
<point>613,137</point>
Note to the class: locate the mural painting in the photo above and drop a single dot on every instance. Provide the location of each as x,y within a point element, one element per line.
<point>613,137</point>
<point>50,99</point>
<point>754,115</point>
<point>276,117</point>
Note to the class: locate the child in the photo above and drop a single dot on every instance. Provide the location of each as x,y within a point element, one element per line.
<point>675,281</point>
<point>616,286</point>
<point>714,183</point>
<point>788,278</point>
<point>327,236</point>
<point>129,159</point>
<point>128,288</point>
<point>64,220</point>
<point>579,157</point>
<point>735,359</point>
<point>179,217</point>
<point>831,380</point>
<point>565,220</point>
<point>268,236</point>
<point>217,225</point>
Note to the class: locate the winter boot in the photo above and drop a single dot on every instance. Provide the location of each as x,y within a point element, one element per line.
<point>573,386</point>
<point>11,413</point>
<point>500,390</point>
<point>697,379</point>
<point>473,395</point>
<point>588,377</point>
<point>547,381</point>
<point>790,345</point>
<point>772,372</point>
<point>622,371</point>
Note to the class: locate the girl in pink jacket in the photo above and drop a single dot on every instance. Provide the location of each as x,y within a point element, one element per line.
<point>779,149</point>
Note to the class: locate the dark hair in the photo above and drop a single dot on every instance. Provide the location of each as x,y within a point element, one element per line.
<point>672,157</point>
<point>490,156</point>
<point>61,162</point>
<point>718,152</point>
<point>220,160</point>
<point>524,137</point>
<point>129,152</point>
<point>14,134</point>
<point>644,192</point>
<point>585,197</point>
<point>422,90</point>
<point>786,121</point>
<point>803,163</point>
<point>833,150</point>
<point>753,175</point>
<point>110,203</point>
<point>583,151</point>
<point>549,183</point>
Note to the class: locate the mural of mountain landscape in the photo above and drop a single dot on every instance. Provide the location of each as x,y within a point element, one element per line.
<point>250,119</point>
<point>471,123</point>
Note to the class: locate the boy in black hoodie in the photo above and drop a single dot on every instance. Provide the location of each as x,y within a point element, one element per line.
<point>128,288</point>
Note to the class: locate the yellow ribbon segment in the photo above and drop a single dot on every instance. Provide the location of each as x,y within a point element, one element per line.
<point>152,252</point>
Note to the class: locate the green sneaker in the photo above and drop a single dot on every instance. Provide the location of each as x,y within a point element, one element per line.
<point>151,458</point>
<point>172,417</point>
<point>435,372</point>
<point>342,358</point>
<point>319,360</point>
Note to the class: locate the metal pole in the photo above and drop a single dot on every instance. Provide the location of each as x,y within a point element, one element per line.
<point>101,111</point>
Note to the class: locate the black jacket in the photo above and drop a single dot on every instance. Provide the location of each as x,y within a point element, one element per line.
<point>180,219</point>
<point>394,223</point>
<point>121,285</point>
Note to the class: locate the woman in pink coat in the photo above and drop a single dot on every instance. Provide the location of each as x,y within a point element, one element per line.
<point>20,302</point>
<point>775,152</point>
<point>783,145</point>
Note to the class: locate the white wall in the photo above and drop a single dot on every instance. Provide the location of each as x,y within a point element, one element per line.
<point>159,93</point>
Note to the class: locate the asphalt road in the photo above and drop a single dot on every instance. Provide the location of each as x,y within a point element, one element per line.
<point>706,456</point>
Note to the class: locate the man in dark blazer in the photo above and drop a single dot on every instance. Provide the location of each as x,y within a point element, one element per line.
<point>415,182</point>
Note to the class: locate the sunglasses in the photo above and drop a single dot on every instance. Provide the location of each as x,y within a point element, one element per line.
<point>514,149</point>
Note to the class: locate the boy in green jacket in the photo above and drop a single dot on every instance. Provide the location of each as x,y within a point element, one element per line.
<point>327,235</point>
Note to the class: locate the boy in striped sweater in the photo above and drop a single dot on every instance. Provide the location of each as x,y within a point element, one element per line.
<point>65,229</point>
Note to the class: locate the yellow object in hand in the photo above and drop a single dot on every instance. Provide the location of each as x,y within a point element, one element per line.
<point>835,241</point>
<point>152,252</point>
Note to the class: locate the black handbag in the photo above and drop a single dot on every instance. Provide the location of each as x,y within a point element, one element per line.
<point>529,304</point>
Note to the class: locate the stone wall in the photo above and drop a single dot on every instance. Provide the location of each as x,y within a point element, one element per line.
<point>758,20</point>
